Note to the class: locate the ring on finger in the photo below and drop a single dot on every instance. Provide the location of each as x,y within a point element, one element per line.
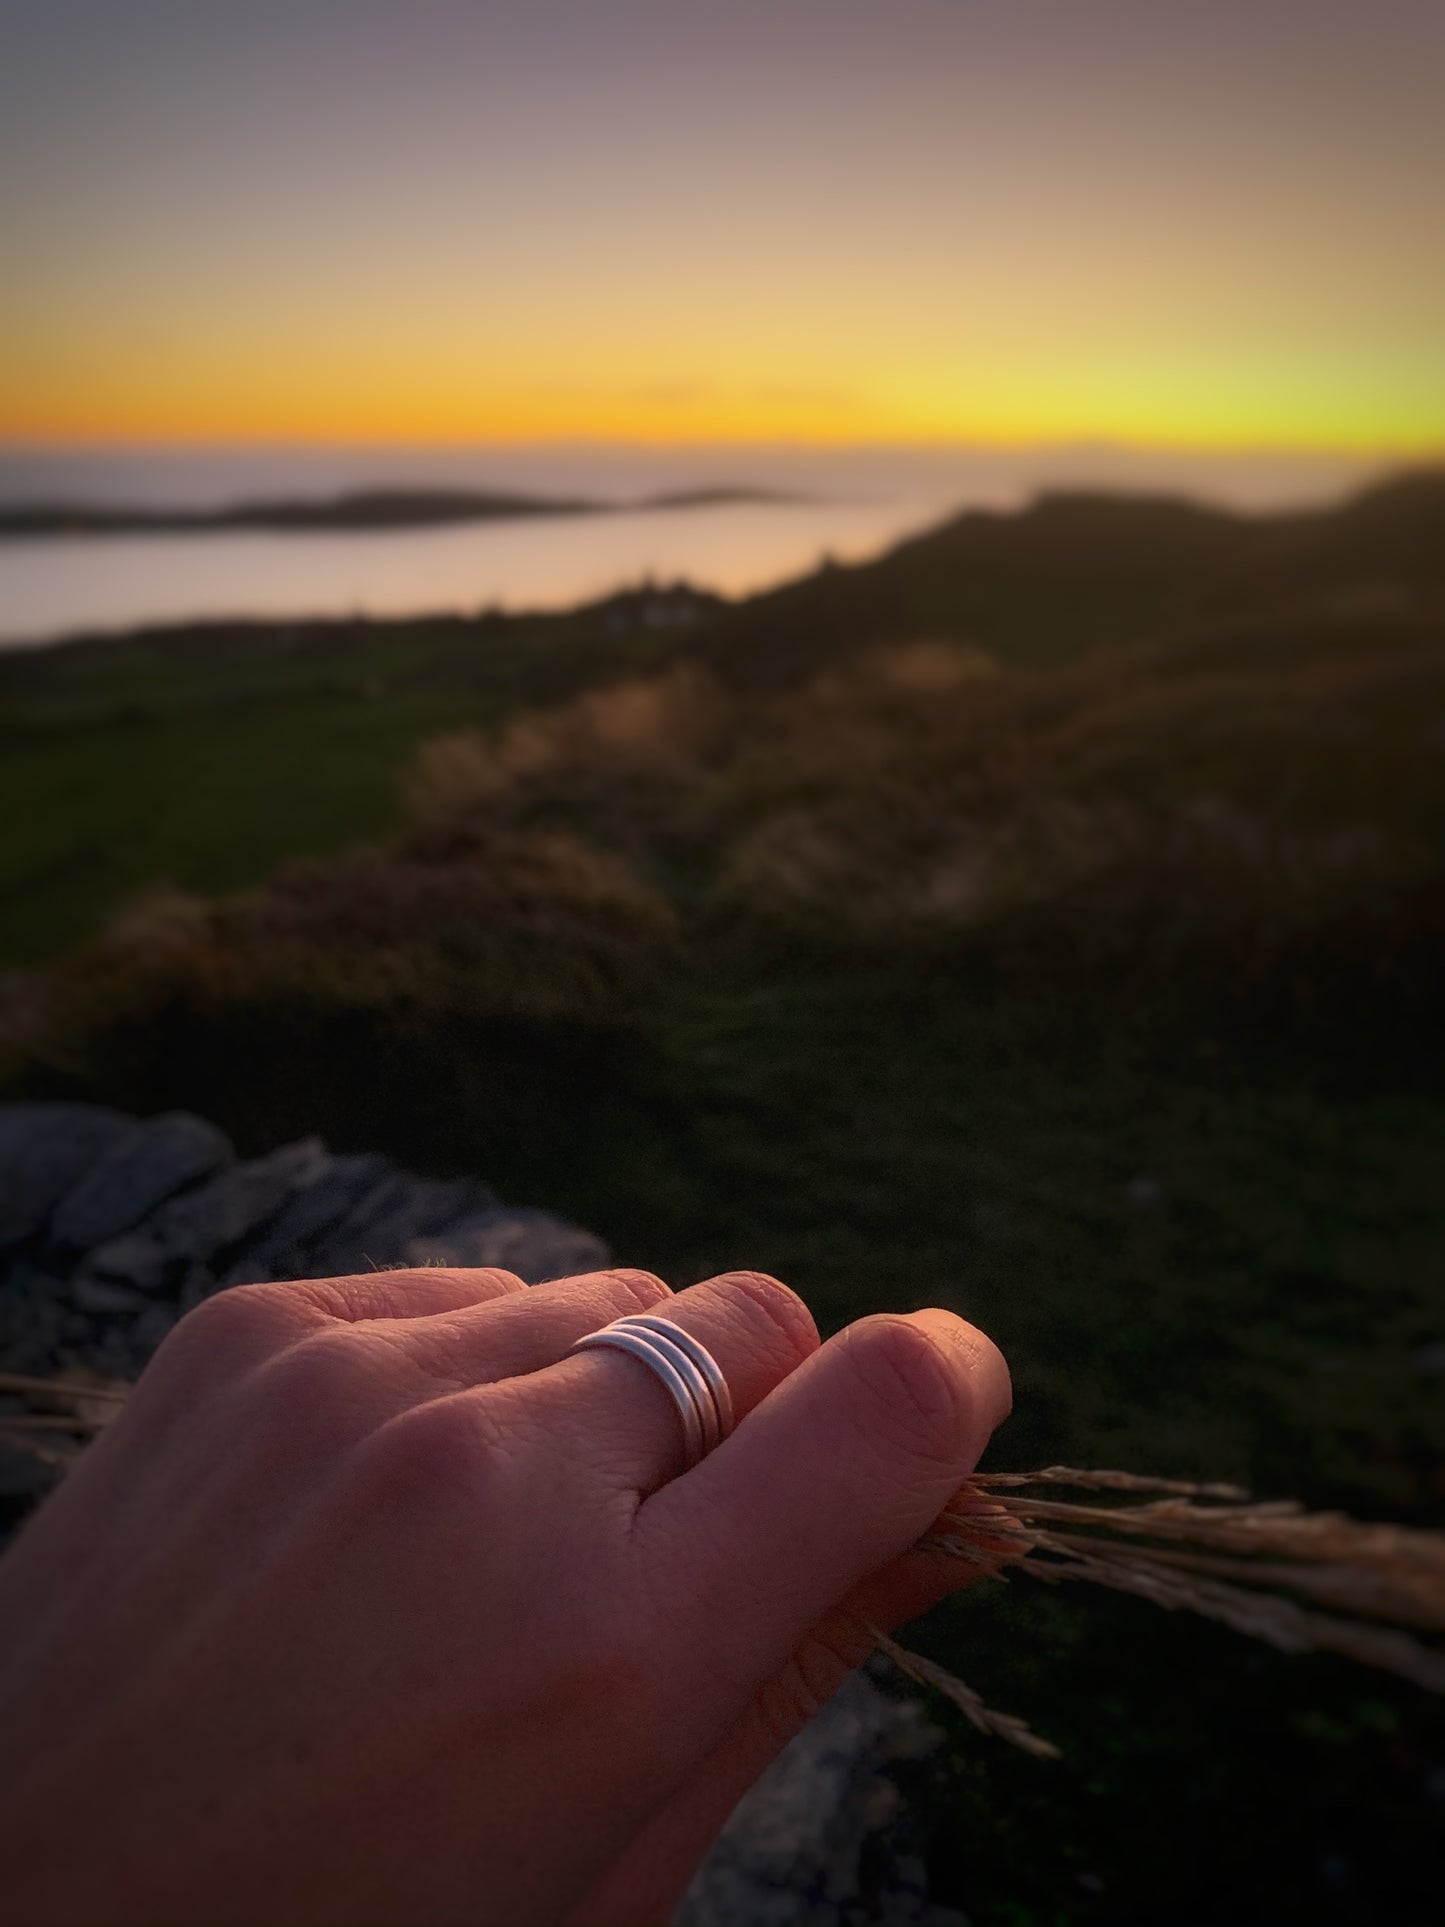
<point>683,1365</point>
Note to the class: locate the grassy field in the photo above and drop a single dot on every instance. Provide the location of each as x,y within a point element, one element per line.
<point>204,757</point>
<point>1045,921</point>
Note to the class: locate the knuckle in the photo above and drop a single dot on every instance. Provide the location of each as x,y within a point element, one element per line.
<point>427,1458</point>
<point>783,1310</point>
<point>393,1293</point>
<point>906,1391</point>
<point>493,1278</point>
<point>242,1316</point>
<point>646,1288</point>
<point>348,1297</point>
<point>326,1378</point>
<point>394,1282</point>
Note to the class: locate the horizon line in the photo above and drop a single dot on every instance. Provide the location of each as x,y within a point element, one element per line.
<point>1421,452</point>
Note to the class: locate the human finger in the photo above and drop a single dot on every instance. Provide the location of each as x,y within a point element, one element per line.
<point>410,1292</point>
<point>756,1330</point>
<point>510,1338</point>
<point>232,1332</point>
<point>836,1474</point>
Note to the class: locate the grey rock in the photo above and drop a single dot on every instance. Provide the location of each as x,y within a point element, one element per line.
<point>147,1334</point>
<point>817,1842</point>
<point>139,1172</point>
<point>28,1472</point>
<point>398,1212</point>
<point>290,1246</point>
<point>32,1318</point>
<point>345,1247</point>
<point>45,1151</point>
<point>533,1244</point>
<point>197,1285</point>
<point>96,1295</point>
<point>204,1225</point>
<point>376,1230</point>
<point>162,1214</point>
<point>114,1351</point>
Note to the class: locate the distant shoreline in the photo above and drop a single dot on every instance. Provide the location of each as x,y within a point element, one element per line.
<point>364,511</point>
<point>59,594</point>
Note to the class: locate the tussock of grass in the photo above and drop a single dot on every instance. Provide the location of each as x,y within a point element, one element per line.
<point>666,725</point>
<point>1256,805</point>
<point>524,925</point>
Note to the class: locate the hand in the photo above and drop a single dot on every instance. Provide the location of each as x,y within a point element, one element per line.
<point>373,1605</point>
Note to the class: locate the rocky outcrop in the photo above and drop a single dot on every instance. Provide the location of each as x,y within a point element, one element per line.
<point>824,1839</point>
<point>112,1227</point>
<point>46,1150</point>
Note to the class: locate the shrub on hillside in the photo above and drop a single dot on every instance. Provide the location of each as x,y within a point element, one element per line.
<point>531,926</point>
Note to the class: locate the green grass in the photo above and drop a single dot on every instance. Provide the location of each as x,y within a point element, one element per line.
<point>203,759</point>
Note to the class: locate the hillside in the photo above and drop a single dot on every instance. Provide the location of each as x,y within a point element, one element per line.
<point>1071,572</point>
<point>291,739</point>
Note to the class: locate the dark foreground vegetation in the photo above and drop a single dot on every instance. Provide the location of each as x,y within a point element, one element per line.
<point>1047,920</point>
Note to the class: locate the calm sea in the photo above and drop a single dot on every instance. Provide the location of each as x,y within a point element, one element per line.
<point>855,503</point>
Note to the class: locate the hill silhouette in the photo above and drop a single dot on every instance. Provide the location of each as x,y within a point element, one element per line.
<point>1070,572</point>
<point>361,510</point>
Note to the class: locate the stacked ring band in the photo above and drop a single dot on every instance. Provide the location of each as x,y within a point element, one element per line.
<point>683,1365</point>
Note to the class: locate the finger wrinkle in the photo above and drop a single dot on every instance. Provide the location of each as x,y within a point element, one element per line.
<point>911,1386</point>
<point>646,1288</point>
<point>784,1309</point>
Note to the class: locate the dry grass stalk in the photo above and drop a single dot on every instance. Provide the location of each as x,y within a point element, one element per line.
<point>59,1387</point>
<point>1265,1569</point>
<point>50,1422</point>
<point>1000,1726</point>
<point>1103,1482</point>
<point>86,1406</point>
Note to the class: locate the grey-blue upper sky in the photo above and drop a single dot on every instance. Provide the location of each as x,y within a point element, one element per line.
<point>945,168</point>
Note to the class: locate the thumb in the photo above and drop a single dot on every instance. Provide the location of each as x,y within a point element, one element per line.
<point>835,1474</point>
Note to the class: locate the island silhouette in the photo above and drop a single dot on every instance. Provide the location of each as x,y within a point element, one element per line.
<point>368,510</point>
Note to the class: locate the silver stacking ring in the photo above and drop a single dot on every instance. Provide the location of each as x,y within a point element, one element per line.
<point>684,1365</point>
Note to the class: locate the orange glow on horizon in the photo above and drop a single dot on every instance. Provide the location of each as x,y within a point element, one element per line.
<point>922,224</point>
<point>1205,416</point>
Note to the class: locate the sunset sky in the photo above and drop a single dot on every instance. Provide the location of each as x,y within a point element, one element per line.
<point>807,220</point>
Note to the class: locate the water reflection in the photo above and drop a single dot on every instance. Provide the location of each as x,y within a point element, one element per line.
<point>856,502</point>
<point>54,588</point>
